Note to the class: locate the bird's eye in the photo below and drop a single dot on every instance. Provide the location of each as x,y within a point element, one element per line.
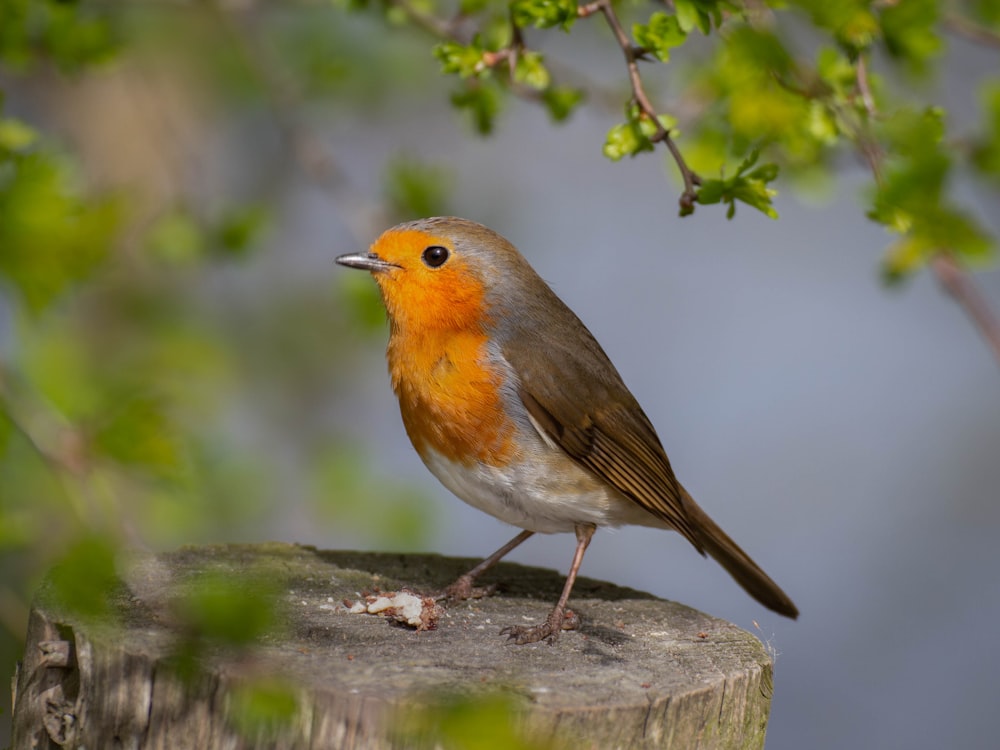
<point>435,256</point>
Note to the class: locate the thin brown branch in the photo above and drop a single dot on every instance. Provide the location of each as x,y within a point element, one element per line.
<point>632,55</point>
<point>864,88</point>
<point>451,30</point>
<point>971,30</point>
<point>67,454</point>
<point>962,289</point>
<point>439,27</point>
<point>955,280</point>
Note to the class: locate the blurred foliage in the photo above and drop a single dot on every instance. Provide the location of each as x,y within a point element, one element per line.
<point>262,709</point>
<point>217,611</point>
<point>383,509</point>
<point>414,189</point>
<point>134,354</point>
<point>470,722</point>
<point>69,34</point>
<point>792,84</point>
<point>147,359</point>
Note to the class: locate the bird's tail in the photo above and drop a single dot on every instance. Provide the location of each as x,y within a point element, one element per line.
<point>737,562</point>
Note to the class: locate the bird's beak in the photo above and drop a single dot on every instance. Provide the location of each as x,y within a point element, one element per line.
<point>366,262</point>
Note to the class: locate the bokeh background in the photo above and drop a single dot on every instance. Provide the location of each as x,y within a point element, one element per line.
<point>197,369</point>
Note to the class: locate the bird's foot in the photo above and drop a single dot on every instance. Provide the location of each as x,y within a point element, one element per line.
<point>463,589</point>
<point>548,630</point>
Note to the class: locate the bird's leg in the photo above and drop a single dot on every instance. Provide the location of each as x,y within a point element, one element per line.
<point>557,619</point>
<point>463,588</point>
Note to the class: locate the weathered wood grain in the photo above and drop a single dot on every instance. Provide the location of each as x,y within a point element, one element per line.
<point>640,672</point>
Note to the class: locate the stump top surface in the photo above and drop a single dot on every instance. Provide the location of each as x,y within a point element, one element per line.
<point>629,643</point>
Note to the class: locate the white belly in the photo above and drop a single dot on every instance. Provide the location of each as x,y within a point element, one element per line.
<point>551,495</point>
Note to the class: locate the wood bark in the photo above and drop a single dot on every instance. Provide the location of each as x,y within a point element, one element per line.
<point>640,672</point>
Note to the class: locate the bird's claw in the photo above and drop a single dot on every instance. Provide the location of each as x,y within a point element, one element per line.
<point>523,634</point>
<point>547,631</point>
<point>463,589</point>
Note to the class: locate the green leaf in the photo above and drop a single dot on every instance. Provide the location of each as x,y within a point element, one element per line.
<point>561,101</point>
<point>912,197</point>
<point>986,147</point>
<point>530,70</point>
<point>220,609</point>
<point>16,135</point>
<point>471,7</point>
<point>836,70</point>
<point>463,60</point>
<point>85,578</point>
<point>468,722</point>
<point>762,50</point>
<point>755,82</point>
<point>241,228</point>
<point>986,12</point>
<point>544,14</point>
<point>702,14</point>
<point>747,185</point>
<point>635,134</point>
<point>904,258</point>
<point>916,168</point>
<point>178,238</point>
<point>946,230</point>
<point>139,434</point>
<point>851,22</point>
<point>482,102</point>
<point>660,35</point>
<point>648,128</point>
<point>52,237</point>
<point>910,31</point>
<point>263,708</point>
<point>71,34</point>
<point>415,189</point>
<point>624,140</point>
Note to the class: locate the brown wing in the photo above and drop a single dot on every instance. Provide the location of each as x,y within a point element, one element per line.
<point>614,440</point>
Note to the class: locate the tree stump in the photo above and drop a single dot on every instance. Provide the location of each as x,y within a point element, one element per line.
<point>639,672</point>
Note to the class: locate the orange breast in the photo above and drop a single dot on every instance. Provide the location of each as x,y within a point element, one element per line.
<point>449,396</point>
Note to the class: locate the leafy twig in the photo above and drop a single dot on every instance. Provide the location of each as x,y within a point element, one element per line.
<point>950,275</point>
<point>632,56</point>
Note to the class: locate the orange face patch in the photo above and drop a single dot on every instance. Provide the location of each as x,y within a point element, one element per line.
<point>421,299</point>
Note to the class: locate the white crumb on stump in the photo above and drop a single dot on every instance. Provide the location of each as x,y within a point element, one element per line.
<point>403,607</point>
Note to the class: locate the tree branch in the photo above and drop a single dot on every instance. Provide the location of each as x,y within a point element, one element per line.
<point>943,265</point>
<point>964,291</point>
<point>864,88</point>
<point>971,30</point>
<point>632,55</point>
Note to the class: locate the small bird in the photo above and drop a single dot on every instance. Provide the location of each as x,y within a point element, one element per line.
<point>514,406</point>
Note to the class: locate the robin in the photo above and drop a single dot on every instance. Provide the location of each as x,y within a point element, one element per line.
<point>514,406</point>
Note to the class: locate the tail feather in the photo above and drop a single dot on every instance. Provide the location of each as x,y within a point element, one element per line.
<point>728,554</point>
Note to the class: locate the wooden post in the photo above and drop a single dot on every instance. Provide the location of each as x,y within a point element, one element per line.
<point>638,673</point>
